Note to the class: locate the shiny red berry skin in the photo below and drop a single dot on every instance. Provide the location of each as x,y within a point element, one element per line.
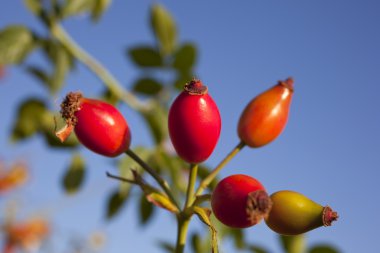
<point>194,123</point>
<point>265,117</point>
<point>99,126</point>
<point>240,201</point>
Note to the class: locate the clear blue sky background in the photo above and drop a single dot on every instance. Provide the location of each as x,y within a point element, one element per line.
<point>329,151</point>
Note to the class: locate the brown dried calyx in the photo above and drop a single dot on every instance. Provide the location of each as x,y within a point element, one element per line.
<point>259,205</point>
<point>288,83</point>
<point>329,216</point>
<point>195,87</point>
<point>69,106</point>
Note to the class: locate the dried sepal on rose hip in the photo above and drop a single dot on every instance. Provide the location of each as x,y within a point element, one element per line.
<point>265,117</point>
<point>194,123</point>
<point>293,213</point>
<point>240,201</point>
<point>98,125</point>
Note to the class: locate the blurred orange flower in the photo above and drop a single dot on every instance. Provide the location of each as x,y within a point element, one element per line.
<point>27,235</point>
<point>13,177</point>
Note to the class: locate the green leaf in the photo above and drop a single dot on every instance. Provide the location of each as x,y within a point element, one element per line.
<point>146,210</point>
<point>204,215</point>
<point>62,65</point>
<point>167,246</point>
<point>115,202</point>
<point>74,7</point>
<point>28,119</point>
<point>110,97</point>
<point>257,249</point>
<point>155,118</point>
<point>164,28</point>
<point>293,244</point>
<point>145,56</point>
<point>238,236</point>
<point>196,242</point>
<point>160,200</point>
<point>34,6</point>
<point>174,165</point>
<point>185,57</point>
<point>99,8</point>
<point>74,176</point>
<point>182,79</point>
<point>16,42</point>
<point>54,51</point>
<point>323,249</point>
<point>147,86</point>
<point>40,74</point>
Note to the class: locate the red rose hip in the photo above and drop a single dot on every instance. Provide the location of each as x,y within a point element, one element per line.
<point>98,125</point>
<point>194,123</point>
<point>240,201</point>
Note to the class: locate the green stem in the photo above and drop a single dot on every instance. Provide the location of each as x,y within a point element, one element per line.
<point>96,67</point>
<point>183,226</point>
<point>164,185</point>
<point>206,181</point>
<point>190,197</point>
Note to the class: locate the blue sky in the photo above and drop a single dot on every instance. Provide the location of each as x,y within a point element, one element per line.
<point>329,150</point>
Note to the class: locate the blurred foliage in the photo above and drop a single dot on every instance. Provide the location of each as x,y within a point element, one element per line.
<point>171,64</point>
<point>75,174</point>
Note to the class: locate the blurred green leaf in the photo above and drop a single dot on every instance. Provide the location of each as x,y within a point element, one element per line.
<point>16,42</point>
<point>62,61</point>
<point>172,164</point>
<point>323,249</point>
<point>238,236</point>
<point>155,118</point>
<point>110,97</point>
<point>145,56</point>
<point>62,65</point>
<point>164,28</point>
<point>147,86</point>
<point>40,74</point>
<point>28,118</point>
<point>115,202</point>
<point>146,210</point>
<point>74,7</point>
<point>196,243</point>
<point>33,5</point>
<point>185,57</point>
<point>100,6</point>
<point>181,80</point>
<point>54,51</point>
<point>257,249</point>
<point>75,174</point>
<point>293,244</point>
<point>167,246</point>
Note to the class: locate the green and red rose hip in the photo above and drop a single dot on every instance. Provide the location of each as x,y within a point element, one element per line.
<point>265,117</point>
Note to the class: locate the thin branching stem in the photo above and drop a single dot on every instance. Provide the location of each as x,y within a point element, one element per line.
<point>162,182</point>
